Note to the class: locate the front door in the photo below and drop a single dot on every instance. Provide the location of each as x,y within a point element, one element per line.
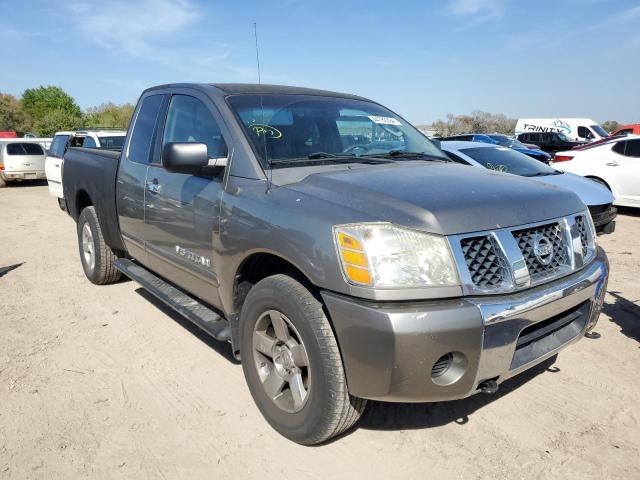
<point>182,211</point>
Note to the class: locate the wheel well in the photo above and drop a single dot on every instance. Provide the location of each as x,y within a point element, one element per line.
<point>83,200</point>
<point>599,180</point>
<point>262,265</point>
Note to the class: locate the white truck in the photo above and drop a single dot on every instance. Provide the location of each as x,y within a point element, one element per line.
<point>578,129</point>
<point>102,138</point>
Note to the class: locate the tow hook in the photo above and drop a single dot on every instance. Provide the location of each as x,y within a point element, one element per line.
<point>488,386</point>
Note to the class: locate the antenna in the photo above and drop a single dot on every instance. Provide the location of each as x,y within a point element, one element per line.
<point>255,34</point>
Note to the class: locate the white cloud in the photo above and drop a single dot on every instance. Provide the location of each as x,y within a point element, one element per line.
<point>480,9</point>
<point>132,27</point>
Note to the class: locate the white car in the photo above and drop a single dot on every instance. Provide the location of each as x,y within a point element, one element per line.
<point>507,160</point>
<point>614,164</point>
<point>111,139</point>
<point>21,160</point>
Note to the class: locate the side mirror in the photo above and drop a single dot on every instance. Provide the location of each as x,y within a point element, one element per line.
<point>185,157</point>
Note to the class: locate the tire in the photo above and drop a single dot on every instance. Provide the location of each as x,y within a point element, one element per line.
<point>3,184</point>
<point>327,409</point>
<point>96,257</point>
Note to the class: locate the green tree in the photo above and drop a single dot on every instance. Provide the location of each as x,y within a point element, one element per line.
<point>12,116</point>
<point>611,125</point>
<point>56,120</point>
<point>39,103</point>
<point>108,115</point>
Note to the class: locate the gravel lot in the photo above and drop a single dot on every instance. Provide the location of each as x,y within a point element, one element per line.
<point>102,382</point>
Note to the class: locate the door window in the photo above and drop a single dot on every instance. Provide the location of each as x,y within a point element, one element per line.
<point>619,147</point>
<point>139,148</point>
<point>633,148</point>
<point>89,143</point>
<point>58,145</point>
<point>584,132</point>
<point>189,120</point>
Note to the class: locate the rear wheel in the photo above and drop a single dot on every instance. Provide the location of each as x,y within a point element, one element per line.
<point>2,182</point>
<point>96,256</point>
<point>292,363</point>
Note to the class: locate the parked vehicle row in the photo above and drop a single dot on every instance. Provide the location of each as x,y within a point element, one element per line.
<point>503,140</point>
<point>341,253</point>
<point>615,164</point>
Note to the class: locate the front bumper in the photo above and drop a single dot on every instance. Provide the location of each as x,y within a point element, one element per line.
<point>389,349</point>
<point>603,217</point>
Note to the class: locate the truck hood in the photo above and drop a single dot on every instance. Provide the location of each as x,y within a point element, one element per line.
<point>440,198</point>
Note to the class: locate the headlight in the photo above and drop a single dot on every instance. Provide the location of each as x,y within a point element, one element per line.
<point>381,255</point>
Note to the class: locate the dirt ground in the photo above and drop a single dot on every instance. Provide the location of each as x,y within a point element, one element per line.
<point>102,382</point>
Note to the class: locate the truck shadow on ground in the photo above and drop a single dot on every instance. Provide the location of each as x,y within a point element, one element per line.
<point>411,416</point>
<point>8,268</point>
<point>629,211</point>
<point>624,313</point>
<point>222,348</point>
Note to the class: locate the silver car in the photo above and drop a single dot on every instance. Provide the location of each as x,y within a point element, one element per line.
<point>495,157</point>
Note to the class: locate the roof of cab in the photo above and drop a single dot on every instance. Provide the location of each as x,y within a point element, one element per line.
<point>257,89</point>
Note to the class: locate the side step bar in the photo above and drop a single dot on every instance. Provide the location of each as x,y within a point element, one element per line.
<point>188,307</point>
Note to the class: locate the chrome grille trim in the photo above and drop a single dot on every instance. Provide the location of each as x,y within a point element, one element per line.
<point>509,263</point>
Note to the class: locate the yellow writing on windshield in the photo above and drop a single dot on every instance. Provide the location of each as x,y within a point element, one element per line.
<point>265,130</point>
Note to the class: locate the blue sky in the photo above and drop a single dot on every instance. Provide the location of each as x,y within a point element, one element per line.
<point>423,59</point>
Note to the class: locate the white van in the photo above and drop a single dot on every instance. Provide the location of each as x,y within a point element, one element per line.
<point>21,160</point>
<point>578,129</point>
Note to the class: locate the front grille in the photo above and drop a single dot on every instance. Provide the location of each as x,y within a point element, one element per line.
<point>584,237</point>
<point>483,261</point>
<point>527,238</point>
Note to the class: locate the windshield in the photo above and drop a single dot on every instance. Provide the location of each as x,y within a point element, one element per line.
<point>284,128</point>
<point>599,130</point>
<point>563,137</point>
<point>506,160</point>
<point>502,140</point>
<point>114,143</point>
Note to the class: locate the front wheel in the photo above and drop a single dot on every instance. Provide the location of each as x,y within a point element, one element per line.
<point>292,363</point>
<point>96,256</point>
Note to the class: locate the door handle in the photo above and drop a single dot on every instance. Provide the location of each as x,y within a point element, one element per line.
<point>613,164</point>
<point>153,187</point>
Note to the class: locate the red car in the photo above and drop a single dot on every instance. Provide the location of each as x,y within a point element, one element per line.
<point>8,135</point>
<point>633,129</point>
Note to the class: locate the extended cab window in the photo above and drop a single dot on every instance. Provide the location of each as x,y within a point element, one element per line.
<point>89,143</point>
<point>189,120</point>
<point>139,149</point>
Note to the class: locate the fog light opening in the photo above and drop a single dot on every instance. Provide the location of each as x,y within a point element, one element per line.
<point>449,368</point>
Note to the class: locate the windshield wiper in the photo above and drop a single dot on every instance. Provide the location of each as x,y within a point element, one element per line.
<point>405,154</point>
<point>327,157</point>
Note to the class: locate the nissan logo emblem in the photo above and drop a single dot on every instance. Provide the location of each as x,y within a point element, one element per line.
<point>542,249</point>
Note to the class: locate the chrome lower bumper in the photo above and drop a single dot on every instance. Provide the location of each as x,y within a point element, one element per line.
<point>389,349</point>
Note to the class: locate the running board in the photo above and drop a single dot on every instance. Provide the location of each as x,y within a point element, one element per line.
<point>187,306</point>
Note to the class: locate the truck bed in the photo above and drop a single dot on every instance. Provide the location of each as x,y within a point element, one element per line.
<point>92,172</point>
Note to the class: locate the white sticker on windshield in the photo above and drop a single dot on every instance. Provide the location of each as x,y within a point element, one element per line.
<point>384,120</point>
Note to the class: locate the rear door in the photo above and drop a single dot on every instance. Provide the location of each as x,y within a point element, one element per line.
<point>183,211</point>
<point>627,171</point>
<point>132,173</point>
<point>53,164</point>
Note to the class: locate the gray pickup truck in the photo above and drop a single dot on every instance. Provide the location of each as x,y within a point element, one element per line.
<point>338,250</point>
